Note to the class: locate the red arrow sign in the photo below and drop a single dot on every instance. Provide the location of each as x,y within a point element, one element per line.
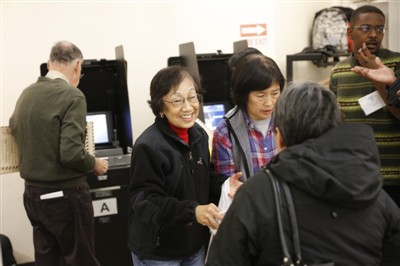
<point>249,30</point>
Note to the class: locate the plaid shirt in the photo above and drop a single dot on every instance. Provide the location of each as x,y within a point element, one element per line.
<point>262,149</point>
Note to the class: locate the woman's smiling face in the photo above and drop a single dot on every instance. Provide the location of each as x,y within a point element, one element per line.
<point>182,116</point>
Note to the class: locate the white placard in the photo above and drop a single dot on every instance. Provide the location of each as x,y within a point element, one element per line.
<point>371,103</point>
<point>105,207</point>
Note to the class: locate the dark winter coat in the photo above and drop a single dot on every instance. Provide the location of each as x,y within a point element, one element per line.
<point>343,214</point>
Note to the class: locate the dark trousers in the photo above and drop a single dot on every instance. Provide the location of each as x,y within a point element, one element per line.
<point>63,227</point>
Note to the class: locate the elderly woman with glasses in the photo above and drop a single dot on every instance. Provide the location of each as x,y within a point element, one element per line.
<point>171,185</point>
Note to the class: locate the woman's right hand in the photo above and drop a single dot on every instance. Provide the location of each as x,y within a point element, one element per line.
<point>208,215</point>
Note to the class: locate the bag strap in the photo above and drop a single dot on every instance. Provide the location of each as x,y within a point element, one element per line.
<point>276,185</point>
<point>293,221</point>
<point>287,259</point>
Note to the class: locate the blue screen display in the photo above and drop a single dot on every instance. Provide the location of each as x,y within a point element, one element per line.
<point>213,114</point>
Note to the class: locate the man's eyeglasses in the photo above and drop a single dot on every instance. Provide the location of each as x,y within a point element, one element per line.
<point>179,101</point>
<point>365,28</point>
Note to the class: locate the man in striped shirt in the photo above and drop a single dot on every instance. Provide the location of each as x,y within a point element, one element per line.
<point>367,28</point>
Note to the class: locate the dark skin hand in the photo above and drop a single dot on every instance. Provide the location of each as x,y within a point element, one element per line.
<point>368,60</point>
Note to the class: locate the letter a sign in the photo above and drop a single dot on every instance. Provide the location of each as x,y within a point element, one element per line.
<point>105,207</point>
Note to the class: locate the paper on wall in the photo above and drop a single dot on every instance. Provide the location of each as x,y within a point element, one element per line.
<point>9,157</point>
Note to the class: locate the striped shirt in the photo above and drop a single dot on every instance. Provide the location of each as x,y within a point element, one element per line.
<point>349,87</point>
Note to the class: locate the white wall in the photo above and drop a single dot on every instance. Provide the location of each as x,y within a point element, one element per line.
<point>150,33</point>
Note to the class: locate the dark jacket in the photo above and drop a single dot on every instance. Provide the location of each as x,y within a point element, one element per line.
<point>343,214</point>
<point>169,178</point>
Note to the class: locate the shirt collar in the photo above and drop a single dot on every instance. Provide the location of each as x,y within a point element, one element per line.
<point>53,74</point>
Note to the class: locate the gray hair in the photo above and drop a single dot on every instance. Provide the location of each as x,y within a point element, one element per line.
<point>65,52</point>
<point>306,110</point>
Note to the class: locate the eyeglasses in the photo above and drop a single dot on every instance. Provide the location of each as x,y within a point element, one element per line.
<point>366,28</point>
<point>179,101</point>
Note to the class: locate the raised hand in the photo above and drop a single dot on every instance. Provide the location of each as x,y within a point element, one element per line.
<point>382,74</point>
<point>234,184</point>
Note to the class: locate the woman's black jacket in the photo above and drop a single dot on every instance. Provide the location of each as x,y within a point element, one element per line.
<point>168,179</point>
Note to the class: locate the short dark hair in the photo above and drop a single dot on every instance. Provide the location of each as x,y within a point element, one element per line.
<point>236,57</point>
<point>364,9</point>
<point>255,72</point>
<point>65,52</point>
<point>306,110</point>
<point>166,79</point>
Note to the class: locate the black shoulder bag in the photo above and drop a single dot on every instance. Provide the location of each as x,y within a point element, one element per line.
<point>287,258</point>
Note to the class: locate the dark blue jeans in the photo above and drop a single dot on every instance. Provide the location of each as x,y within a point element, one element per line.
<point>194,260</point>
<point>63,227</point>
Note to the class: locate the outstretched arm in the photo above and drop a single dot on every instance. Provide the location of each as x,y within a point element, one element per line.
<point>372,68</point>
<point>382,74</point>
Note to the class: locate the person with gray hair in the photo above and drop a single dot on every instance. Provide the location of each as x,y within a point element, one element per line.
<point>333,173</point>
<point>49,127</point>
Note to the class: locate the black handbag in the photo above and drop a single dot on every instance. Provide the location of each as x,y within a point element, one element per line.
<point>288,259</point>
